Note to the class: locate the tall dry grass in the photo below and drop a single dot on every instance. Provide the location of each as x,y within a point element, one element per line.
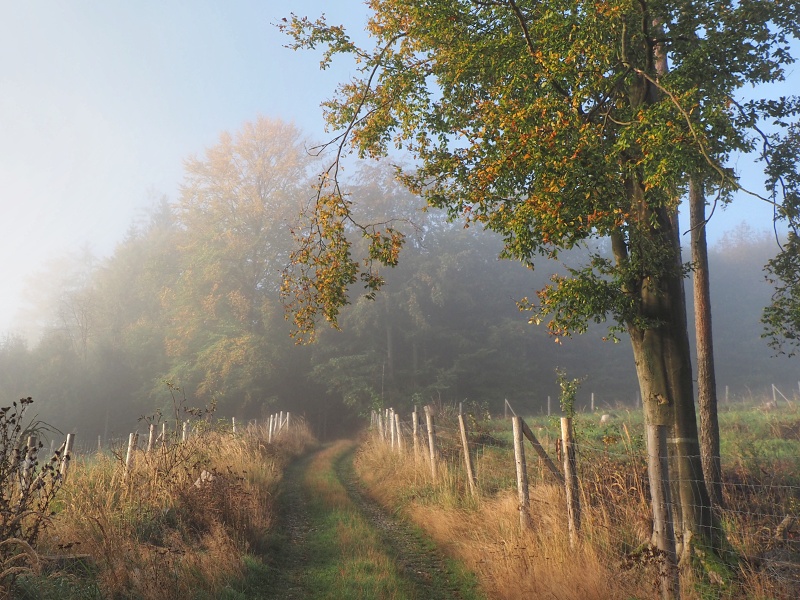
<point>611,560</point>
<point>180,520</point>
<point>486,534</point>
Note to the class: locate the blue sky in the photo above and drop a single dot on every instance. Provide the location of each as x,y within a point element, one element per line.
<point>102,101</point>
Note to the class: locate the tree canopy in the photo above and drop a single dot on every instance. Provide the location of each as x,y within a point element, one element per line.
<point>538,119</point>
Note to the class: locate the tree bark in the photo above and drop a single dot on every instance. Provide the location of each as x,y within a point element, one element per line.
<point>660,344</point>
<point>706,378</point>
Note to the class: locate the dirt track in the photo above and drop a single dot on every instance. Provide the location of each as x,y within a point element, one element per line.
<point>419,570</point>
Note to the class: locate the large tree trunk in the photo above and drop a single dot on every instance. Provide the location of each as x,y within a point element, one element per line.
<point>663,364</point>
<point>706,378</point>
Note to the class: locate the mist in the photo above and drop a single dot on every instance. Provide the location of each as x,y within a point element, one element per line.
<point>186,312</point>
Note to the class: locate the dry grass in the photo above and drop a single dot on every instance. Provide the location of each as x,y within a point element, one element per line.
<point>153,533</point>
<point>485,533</point>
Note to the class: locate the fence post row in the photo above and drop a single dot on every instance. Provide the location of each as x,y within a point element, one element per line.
<point>571,481</point>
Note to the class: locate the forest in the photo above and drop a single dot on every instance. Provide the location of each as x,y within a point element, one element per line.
<point>190,303</point>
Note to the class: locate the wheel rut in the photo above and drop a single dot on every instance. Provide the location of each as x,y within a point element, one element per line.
<point>307,560</point>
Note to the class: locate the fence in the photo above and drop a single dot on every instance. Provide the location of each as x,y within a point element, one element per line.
<point>621,482</point>
<point>278,424</point>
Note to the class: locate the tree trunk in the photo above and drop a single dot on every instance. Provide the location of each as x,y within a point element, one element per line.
<point>663,365</point>
<point>706,378</point>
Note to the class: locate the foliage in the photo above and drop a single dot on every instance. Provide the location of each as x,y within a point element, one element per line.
<point>569,390</point>
<point>782,317</point>
<point>549,123</point>
<point>27,489</point>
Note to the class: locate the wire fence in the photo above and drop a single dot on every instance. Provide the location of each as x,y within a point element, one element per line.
<point>756,526</point>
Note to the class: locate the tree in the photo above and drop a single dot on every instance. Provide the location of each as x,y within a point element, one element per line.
<point>706,375</point>
<point>236,207</point>
<point>554,123</point>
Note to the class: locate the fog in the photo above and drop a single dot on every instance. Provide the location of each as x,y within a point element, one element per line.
<point>137,280</point>
<point>187,310</point>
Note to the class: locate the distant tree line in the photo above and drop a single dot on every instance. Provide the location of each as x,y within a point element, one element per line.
<point>191,296</point>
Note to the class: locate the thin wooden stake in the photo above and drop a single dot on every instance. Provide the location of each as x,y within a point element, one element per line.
<point>571,481</point>
<point>522,475</point>
<point>133,441</point>
<point>467,456</point>
<point>391,427</point>
<point>151,437</point>
<point>429,421</point>
<point>397,433</point>
<point>415,433</point>
<point>67,456</point>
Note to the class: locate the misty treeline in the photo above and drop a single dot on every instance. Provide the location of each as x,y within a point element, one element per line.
<point>191,297</point>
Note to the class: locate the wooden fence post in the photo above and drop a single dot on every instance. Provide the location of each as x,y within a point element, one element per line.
<point>233,425</point>
<point>429,421</point>
<point>397,433</point>
<point>380,427</point>
<point>467,456</point>
<point>185,431</point>
<point>133,441</point>
<point>391,427</point>
<point>663,530</point>
<point>151,437</point>
<point>164,442</point>
<point>571,481</point>
<point>67,456</point>
<point>522,474</point>
<point>415,433</point>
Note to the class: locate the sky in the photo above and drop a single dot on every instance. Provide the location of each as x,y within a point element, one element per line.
<point>101,102</point>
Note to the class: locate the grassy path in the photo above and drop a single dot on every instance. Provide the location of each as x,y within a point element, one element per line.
<point>333,542</point>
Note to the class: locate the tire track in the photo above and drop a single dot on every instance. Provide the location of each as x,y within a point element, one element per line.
<point>295,559</point>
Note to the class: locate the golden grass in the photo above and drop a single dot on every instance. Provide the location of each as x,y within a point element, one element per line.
<point>486,535</point>
<point>152,533</point>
